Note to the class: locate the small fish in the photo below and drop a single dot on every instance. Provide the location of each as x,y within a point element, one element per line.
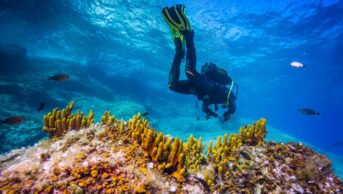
<point>198,118</point>
<point>15,120</point>
<point>308,111</point>
<point>145,114</point>
<point>297,64</point>
<point>59,77</point>
<point>41,106</point>
<point>245,155</point>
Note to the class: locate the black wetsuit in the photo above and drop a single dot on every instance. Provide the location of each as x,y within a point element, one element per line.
<point>207,90</point>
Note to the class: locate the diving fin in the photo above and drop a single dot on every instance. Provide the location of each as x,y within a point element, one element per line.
<point>176,18</point>
<point>176,34</point>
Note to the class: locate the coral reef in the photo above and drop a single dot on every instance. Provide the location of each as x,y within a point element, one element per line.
<point>116,156</point>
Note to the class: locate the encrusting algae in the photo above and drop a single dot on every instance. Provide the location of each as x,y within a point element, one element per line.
<point>132,157</point>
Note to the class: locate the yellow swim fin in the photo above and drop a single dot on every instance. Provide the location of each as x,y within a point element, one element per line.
<point>176,34</point>
<point>176,18</point>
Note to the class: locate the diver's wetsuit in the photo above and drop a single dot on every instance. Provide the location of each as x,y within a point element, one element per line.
<point>207,90</point>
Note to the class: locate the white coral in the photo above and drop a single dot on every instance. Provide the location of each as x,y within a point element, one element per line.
<point>298,188</point>
<point>172,188</point>
<point>199,175</point>
<point>192,189</point>
<point>150,165</point>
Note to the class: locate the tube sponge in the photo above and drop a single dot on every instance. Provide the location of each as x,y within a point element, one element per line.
<point>159,152</point>
<point>254,134</point>
<point>58,122</point>
<point>173,152</point>
<point>193,149</point>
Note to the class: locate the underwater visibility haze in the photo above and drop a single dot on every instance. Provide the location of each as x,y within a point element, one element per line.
<point>115,55</point>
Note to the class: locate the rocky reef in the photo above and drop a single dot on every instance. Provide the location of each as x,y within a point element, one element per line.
<point>13,60</point>
<point>116,156</point>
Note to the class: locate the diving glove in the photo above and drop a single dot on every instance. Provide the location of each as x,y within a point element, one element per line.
<point>176,18</point>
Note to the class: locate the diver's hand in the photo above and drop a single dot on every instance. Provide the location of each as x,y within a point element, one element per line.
<point>209,113</point>
<point>226,116</point>
<point>212,114</point>
<point>216,107</point>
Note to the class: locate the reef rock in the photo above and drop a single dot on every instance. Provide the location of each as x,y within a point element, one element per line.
<point>13,59</point>
<point>118,156</point>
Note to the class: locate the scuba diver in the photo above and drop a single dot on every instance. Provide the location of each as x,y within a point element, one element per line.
<point>210,84</point>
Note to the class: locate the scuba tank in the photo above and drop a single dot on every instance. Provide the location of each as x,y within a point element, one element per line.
<point>215,73</point>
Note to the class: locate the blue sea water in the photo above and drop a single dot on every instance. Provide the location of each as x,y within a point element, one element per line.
<point>118,55</point>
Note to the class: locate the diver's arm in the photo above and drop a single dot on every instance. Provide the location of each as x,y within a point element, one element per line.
<point>226,115</point>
